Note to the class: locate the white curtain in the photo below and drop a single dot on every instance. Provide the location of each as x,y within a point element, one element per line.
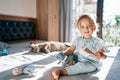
<point>66,20</point>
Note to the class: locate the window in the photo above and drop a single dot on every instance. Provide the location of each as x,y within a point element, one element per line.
<point>82,7</point>
<point>111,22</point>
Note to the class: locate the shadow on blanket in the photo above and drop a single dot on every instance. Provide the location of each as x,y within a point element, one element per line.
<point>87,76</point>
<point>45,75</point>
<point>7,75</point>
<point>114,72</point>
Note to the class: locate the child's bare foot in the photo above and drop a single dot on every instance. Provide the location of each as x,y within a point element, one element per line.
<point>55,75</point>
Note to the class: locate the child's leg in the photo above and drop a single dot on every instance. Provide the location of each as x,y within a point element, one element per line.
<point>70,63</point>
<point>57,73</point>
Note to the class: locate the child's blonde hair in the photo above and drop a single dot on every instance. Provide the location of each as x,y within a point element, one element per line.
<point>84,17</point>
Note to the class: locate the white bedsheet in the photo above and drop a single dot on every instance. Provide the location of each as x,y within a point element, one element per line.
<point>19,54</point>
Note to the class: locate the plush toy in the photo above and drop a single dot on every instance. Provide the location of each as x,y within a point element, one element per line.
<point>48,47</point>
<point>26,69</point>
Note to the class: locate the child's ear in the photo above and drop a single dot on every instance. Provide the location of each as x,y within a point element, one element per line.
<point>94,27</point>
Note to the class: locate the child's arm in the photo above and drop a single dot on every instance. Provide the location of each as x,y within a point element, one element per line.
<point>69,50</point>
<point>98,55</point>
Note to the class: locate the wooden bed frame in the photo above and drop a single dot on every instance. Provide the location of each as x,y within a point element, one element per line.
<point>17,18</point>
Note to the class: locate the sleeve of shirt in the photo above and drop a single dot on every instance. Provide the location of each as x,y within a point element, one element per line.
<point>75,41</point>
<point>101,45</point>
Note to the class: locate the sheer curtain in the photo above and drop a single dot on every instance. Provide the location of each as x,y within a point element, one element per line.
<point>66,20</point>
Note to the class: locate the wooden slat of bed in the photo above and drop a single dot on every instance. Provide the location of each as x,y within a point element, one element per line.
<point>17,18</point>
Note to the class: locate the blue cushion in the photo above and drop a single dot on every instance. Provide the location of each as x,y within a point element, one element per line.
<point>16,30</point>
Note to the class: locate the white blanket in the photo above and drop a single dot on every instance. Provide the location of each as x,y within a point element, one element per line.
<point>19,54</point>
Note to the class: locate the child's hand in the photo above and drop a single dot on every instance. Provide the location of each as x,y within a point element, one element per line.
<point>97,55</point>
<point>100,55</point>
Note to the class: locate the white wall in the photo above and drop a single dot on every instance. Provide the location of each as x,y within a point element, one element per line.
<point>24,8</point>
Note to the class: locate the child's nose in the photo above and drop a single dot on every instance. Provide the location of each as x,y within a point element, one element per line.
<point>86,28</point>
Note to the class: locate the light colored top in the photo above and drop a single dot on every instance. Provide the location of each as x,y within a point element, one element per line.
<point>94,44</point>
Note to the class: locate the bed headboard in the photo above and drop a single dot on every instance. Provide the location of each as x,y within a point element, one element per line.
<point>16,28</point>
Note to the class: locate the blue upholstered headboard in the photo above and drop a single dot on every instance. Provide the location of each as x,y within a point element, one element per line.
<point>16,30</point>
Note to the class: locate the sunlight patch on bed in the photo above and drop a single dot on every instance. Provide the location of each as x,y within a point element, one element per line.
<point>107,63</point>
<point>10,61</point>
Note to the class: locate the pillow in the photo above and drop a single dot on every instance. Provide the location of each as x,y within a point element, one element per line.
<point>4,45</point>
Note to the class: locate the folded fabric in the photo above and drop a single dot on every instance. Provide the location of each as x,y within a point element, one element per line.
<point>4,45</point>
<point>65,62</point>
<point>60,56</point>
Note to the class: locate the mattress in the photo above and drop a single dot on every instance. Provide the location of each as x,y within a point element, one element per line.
<point>19,54</point>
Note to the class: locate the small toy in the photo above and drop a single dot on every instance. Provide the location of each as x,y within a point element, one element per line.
<point>47,47</point>
<point>34,42</point>
<point>4,52</point>
<point>26,69</point>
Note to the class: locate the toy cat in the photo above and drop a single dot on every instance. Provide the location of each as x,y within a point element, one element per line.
<point>48,47</point>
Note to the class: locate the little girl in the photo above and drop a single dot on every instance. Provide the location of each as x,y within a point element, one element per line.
<point>85,64</point>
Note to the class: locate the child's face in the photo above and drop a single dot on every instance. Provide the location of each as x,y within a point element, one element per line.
<point>86,28</point>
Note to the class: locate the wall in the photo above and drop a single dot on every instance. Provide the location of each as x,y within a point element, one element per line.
<point>24,8</point>
<point>48,19</point>
<point>54,20</point>
<point>46,11</point>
